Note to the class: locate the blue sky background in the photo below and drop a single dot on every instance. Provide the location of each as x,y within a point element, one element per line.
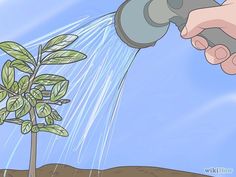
<point>177,111</point>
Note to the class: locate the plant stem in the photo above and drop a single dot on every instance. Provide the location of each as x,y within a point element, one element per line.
<point>5,89</point>
<point>59,102</point>
<point>33,149</point>
<point>32,77</point>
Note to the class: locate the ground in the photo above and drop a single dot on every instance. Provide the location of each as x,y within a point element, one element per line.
<point>59,170</point>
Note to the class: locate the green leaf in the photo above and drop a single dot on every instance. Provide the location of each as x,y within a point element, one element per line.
<point>8,75</point>
<point>36,94</point>
<point>59,42</point>
<point>48,79</point>
<point>22,66</point>
<point>3,95</point>
<point>49,120</point>
<point>63,57</point>
<point>56,129</point>
<point>40,87</point>
<point>55,115</point>
<point>30,99</point>
<point>24,109</point>
<point>35,128</point>
<point>43,109</point>
<point>15,87</point>
<point>40,125</point>
<point>17,51</point>
<point>23,84</point>
<point>26,127</point>
<point>3,115</point>
<point>14,103</point>
<point>59,90</point>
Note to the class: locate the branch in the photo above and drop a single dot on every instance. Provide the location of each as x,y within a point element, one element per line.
<point>5,89</point>
<point>59,102</point>
<point>14,121</point>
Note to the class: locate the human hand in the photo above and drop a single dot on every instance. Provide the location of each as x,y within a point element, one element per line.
<point>222,17</point>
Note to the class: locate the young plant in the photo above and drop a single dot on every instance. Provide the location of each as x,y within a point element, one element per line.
<point>33,95</point>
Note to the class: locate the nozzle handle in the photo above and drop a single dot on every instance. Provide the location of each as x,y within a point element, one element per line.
<point>214,36</point>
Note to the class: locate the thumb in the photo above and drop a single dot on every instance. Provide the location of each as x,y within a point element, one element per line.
<point>202,19</point>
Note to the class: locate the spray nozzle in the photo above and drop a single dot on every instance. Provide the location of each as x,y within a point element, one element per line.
<point>136,26</point>
<point>141,23</point>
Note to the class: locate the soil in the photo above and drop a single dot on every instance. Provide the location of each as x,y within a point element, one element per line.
<point>59,170</point>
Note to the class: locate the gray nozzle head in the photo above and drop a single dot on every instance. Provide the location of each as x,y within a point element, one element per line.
<point>135,27</point>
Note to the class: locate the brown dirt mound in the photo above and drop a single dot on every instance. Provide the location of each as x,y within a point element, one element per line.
<point>59,170</point>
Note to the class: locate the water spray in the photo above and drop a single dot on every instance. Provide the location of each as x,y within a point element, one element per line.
<point>141,23</point>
